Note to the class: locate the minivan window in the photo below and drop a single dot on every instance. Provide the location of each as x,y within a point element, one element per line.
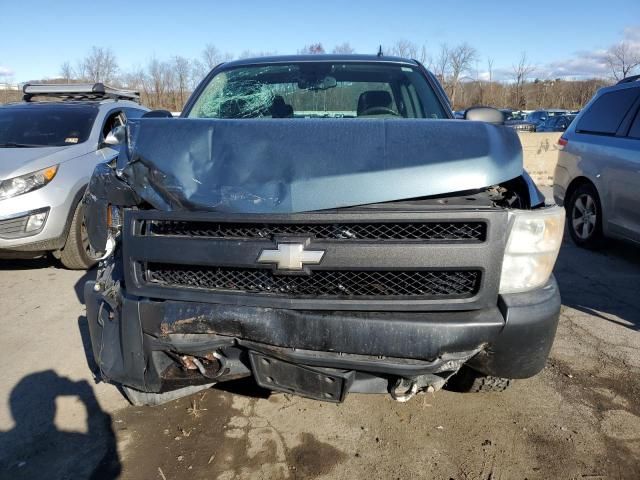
<point>45,125</point>
<point>319,90</point>
<point>607,112</point>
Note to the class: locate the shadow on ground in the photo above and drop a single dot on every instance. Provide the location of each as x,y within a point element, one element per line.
<point>36,448</point>
<point>603,283</point>
<point>27,263</point>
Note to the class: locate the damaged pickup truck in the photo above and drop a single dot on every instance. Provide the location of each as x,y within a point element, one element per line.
<point>324,225</point>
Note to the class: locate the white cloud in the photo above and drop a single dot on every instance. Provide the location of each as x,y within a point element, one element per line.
<point>587,64</point>
<point>581,65</point>
<point>632,34</point>
<point>5,71</point>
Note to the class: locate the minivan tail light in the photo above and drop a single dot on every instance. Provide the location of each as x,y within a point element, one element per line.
<point>562,142</point>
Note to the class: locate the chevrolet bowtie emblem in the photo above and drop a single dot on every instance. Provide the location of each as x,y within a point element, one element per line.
<point>291,256</point>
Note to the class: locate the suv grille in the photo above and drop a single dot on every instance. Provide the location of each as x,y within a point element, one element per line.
<point>429,231</point>
<point>335,284</point>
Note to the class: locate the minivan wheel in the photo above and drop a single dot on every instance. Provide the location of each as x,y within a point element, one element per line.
<point>584,217</point>
<point>76,254</point>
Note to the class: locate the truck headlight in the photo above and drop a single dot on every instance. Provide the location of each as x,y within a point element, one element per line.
<point>15,186</point>
<point>532,248</point>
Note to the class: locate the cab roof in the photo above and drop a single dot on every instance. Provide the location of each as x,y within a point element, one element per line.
<point>320,58</point>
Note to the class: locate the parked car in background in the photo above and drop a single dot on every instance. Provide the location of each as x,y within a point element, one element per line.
<point>359,242</point>
<point>597,178</point>
<point>538,117</point>
<point>48,150</point>
<point>521,125</point>
<point>556,123</point>
<point>516,119</point>
<point>507,113</point>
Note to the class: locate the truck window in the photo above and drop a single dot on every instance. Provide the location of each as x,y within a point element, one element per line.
<point>319,90</point>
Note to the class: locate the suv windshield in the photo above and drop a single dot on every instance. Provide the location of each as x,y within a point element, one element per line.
<point>45,125</point>
<point>319,89</point>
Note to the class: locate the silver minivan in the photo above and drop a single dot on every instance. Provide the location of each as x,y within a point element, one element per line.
<point>597,178</point>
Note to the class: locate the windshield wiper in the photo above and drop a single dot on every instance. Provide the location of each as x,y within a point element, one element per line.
<point>17,145</point>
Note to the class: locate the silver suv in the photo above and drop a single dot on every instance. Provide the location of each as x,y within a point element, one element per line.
<point>598,173</point>
<point>48,150</point>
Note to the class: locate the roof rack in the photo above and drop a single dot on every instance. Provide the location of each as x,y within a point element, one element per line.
<point>77,91</point>
<point>630,79</point>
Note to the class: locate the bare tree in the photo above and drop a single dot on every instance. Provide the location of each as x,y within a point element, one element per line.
<point>343,48</point>
<point>490,71</point>
<point>198,72</point>
<point>182,69</point>
<point>442,64</point>
<point>461,59</point>
<point>423,57</point>
<point>260,53</point>
<point>99,65</point>
<point>134,79</point>
<point>313,49</point>
<point>490,68</point>
<point>521,72</point>
<point>407,49</point>
<point>403,48</point>
<point>166,83</point>
<point>211,56</point>
<point>66,72</point>
<point>622,59</point>
<point>156,82</point>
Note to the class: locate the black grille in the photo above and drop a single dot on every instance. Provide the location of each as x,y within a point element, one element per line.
<point>425,231</point>
<point>336,284</point>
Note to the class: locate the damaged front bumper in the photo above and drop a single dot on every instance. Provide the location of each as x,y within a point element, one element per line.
<point>159,346</point>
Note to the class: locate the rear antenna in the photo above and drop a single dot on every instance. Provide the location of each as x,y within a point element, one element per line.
<point>380,51</point>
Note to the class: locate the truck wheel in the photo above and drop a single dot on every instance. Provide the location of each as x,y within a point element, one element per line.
<point>470,381</point>
<point>140,399</point>
<point>584,217</point>
<point>76,255</point>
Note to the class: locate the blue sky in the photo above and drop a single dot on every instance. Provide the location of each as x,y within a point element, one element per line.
<point>560,37</point>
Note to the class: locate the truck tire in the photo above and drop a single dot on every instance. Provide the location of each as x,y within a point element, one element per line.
<point>140,399</point>
<point>75,254</point>
<point>470,381</point>
<point>584,217</point>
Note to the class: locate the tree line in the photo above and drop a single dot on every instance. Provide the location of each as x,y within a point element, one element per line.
<point>168,83</point>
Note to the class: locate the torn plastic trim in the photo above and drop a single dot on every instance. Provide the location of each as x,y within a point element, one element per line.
<point>105,189</point>
<point>301,165</point>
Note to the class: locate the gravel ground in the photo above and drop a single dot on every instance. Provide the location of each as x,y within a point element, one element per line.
<point>580,418</point>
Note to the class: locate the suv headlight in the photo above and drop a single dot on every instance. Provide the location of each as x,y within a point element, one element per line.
<point>26,183</point>
<point>532,248</point>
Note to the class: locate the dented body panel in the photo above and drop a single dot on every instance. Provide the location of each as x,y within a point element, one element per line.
<point>292,165</point>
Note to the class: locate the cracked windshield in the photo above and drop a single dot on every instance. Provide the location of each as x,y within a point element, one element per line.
<point>319,90</point>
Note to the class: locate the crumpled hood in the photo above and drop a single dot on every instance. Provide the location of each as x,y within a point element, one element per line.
<point>298,165</point>
<point>18,161</point>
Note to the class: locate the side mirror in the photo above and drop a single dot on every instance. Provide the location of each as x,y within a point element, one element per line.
<point>115,137</point>
<point>158,114</point>
<point>485,114</point>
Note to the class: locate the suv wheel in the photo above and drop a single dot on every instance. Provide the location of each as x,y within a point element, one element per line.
<point>584,216</point>
<point>76,254</point>
<point>468,380</point>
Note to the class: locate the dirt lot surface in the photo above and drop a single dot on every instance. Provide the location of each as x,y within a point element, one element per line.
<point>578,419</point>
